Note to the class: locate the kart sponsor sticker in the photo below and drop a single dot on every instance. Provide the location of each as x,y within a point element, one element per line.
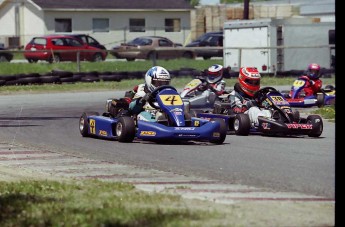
<point>176,110</point>
<point>299,126</point>
<point>298,83</point>
<point>171,100</point>
<point>147,133</point>
<point>102,133</point>
<point>92,126</point>
<point>309,101</point>
<point>185,128</point>
<point>196,123</point>
<point>193,83</point>
<point>279,100</point>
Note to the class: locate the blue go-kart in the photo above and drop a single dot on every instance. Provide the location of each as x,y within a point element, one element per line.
<point>173,124</point>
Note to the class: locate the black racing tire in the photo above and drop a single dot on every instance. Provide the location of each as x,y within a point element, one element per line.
<point>329,87</point>
<point>222,131</point>
<point>84,123</point>
<point>125,129</point>
<point>320,99</point>
<point>317,123</point>
<point>241,124</point>
<point>50,79</point>
<point>130,59</point>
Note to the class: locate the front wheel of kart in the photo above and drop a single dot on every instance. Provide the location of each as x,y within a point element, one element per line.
<point>317,123</point>
<point>125,129</point>
<point>242,124</point>
<point>222,131</point>
<point>320,99</point>
<point>84,123</point>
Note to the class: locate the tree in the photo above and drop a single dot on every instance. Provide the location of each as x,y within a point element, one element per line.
<point>194,2</point>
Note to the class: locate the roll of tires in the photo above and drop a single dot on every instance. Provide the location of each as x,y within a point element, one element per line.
<point>110,77</point>
<point>50,79</point>
<point>89,79</point>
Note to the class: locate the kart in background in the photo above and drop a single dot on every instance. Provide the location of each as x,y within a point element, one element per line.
<point>173,124</point>
<point>197,101</point>
<point>296,96</point>
<point>284,120</point>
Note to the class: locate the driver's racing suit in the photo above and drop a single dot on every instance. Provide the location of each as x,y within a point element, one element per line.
<point>140,107</point>
<point>240,102</point>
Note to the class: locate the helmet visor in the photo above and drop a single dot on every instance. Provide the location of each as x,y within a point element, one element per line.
<point>314,71</point>
<point>252,82</point>
<point>158,83</point>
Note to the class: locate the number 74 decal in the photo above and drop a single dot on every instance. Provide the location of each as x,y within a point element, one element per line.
<point>171,100</point>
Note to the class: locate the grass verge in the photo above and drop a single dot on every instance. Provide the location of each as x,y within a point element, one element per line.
<point>93,203</point>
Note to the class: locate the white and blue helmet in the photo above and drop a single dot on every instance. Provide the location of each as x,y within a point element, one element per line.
<point>214,73</point>
<point>156,77</point>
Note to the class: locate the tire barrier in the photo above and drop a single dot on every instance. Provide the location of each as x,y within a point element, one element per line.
<point>60,76</point>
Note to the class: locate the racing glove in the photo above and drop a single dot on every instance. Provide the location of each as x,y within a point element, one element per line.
<point>144,99</point>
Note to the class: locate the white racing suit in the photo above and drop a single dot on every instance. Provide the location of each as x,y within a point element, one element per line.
<point>240,104</point>
<point>143,110</point>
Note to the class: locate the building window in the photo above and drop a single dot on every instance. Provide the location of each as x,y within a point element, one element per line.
<point>137,25</point>
<point>100,25</point>
<point>63,25</point>
<point>173,25</point>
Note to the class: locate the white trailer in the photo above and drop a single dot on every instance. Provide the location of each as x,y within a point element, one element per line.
<point>274,45</point>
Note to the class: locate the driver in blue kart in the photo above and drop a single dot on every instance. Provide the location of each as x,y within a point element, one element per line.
<point>241,98</point>
<point>155,77</point>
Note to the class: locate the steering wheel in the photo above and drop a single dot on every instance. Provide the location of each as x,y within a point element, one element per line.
<point>260,95</point>
<point>152,96</point>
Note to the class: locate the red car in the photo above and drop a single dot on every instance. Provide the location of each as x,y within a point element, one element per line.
<point>56,48</point>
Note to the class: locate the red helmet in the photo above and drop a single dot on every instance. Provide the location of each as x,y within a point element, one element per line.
<point>313,71</point>
<point>249,80</point>
<point>214,74</point>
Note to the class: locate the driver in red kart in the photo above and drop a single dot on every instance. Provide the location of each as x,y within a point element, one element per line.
<point>313,82</point>
<point>155,77</point>
<point>241,98</point>
<point>213,80</point>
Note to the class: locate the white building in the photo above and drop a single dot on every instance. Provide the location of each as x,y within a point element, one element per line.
<point>109,21</point>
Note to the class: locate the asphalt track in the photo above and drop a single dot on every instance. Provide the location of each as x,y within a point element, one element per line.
<point>251,167</point>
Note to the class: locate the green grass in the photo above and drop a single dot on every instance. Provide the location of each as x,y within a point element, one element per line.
<point>18,68</point>
<point>95,203</point>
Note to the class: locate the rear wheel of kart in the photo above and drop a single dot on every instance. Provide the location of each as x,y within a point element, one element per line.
<point>242,124</point>
<point>222,131</point>
<point>317,123</point>
<point>329,87</point>
<point>320,99</point>
<point>84,123</point>
<point>125,129</point>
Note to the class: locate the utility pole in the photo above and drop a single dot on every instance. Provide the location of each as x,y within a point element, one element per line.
<point>246,10</point>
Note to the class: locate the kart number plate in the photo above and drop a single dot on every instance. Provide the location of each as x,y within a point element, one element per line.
<point>171,100</point>
<point>298,83</point>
